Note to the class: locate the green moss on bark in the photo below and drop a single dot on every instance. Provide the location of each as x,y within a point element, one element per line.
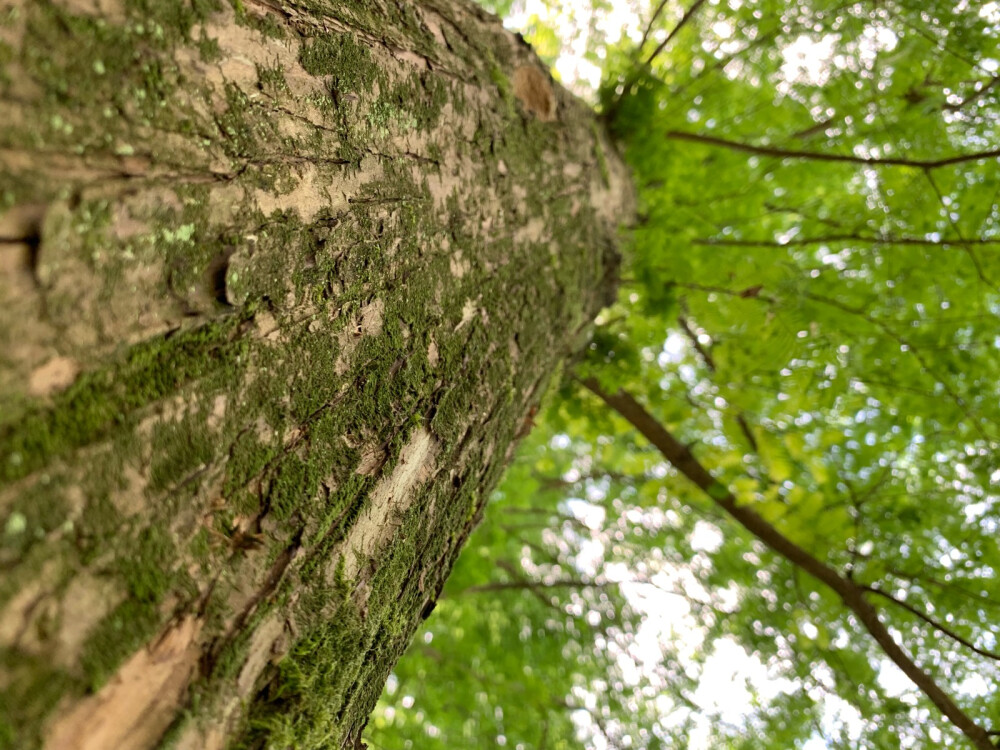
<point>105,401</point>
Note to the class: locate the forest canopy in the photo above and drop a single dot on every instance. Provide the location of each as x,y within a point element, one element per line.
<point>762,510</point>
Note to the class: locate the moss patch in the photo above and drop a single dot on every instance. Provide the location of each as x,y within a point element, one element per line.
<point>31,688</point>
<point>126,629</point>
<point>102,402</point>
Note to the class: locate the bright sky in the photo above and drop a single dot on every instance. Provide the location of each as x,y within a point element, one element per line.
<point>572,21</point>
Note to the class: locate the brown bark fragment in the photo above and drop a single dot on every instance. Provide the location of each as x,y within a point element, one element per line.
<point>55,375</point>
<point>390,497</point>
<point>134,709</point>
<point>533,89</point>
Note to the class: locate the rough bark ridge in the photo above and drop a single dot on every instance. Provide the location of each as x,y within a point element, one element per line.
<point>279,283</point>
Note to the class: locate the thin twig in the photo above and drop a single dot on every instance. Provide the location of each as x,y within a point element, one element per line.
<point>748,293</point>
<point>527,585</point>
<point>692,337</point>
<point>833,239</point>
<point>932,622</point>
<point>688,14</point>
<point>637,70</point>
<point>779,153</point>
<point>974,96</point>
<point>706,356</point>
<point>649,27</point>
<point>909,346</point>
<point>954,225</point>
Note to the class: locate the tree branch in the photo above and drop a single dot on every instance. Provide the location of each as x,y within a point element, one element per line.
<point>948,587</point>
<point>649,27</point>
<point>748,293</point>
<point>638,69</point>
<point>778,153</point>
<point>974,96</point>
<point>688,14</point>
<point>706,356</point>
<point>838,238</point>
<point>917,353</point>
<point>519,578</point>
<point>958,231</point>
<point>932,622</point>
<point>549,482</point>
<point>692,338</point>
<point>851,594</point>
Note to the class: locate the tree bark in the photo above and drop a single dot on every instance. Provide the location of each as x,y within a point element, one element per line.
<point>280,283</point>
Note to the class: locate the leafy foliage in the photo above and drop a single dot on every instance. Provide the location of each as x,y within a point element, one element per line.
<point>812,298</point>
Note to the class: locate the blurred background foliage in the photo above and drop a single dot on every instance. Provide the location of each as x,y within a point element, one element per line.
<point>811,300</point>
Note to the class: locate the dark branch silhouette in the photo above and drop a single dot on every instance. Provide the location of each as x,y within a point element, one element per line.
<point>779,153</point>
<point>709,361</point>
<point>958,231</point>
<point>833,239</point>
<point>905,344</point>
<point>528,585</point>
<point>638,69</point>
<point>649,27</point>
<point>974,96</point>
<point>688,15</point>
<point>752,292</point>
<point>932,622</point>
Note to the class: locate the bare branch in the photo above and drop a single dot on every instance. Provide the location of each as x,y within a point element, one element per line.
<point>958,231</point>
<point>692,337</point>
<point>688,14</point>
<point>528,585</point>
<point>706,355</point>
<point>779,153</point>
<point>638,69</point>
<point>833,239</point>
<point>974,96</point>
<point>549,482</point>
<point>906,345</point>
<point>932,622</point>
<point>748,293</point>
<point>649,26</point>
<point>948,587</point>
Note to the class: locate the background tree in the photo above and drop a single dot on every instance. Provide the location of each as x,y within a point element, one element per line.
<point>279,286</point>
<point>816,323</point>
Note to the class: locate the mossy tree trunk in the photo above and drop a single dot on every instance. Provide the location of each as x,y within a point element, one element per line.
<point>280,283</point>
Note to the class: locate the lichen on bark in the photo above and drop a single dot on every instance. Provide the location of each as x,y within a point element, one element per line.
<point>279,284</point>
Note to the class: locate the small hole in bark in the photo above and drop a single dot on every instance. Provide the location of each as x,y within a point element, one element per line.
<point>21,236</point>
<point>33,244</point>
<point>216,271</point>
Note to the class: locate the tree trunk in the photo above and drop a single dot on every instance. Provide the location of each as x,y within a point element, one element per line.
<point>280,283</point>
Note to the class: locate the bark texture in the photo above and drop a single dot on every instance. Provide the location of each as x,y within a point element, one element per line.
<point>280,283</point>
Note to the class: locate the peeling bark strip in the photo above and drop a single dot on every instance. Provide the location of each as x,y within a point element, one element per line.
<point>390,497</point>
<point>279,284</point>
<point>141,700</point>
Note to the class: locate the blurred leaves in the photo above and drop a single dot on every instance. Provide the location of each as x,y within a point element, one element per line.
<point>825,334</point>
